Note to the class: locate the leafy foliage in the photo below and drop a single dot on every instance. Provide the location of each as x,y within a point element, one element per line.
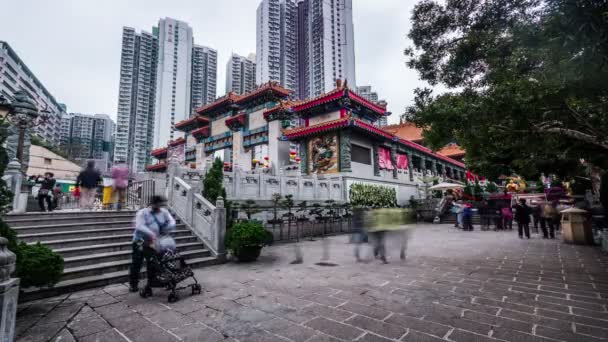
<point>368,195</point>
<point>38,265</point>
<point>213,184</point>
<point>604,191</point>
<point>247,234</point>
<point>528,79</point>
<point>492,188</point>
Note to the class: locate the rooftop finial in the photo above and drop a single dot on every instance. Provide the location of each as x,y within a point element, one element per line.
<point>338,83</point>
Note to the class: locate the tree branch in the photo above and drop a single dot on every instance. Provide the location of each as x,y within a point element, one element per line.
<point>574,134</point>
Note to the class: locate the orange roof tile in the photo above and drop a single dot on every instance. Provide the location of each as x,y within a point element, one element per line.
<point>452,150</point>
<point>264,87</point>
<point>406,130</point>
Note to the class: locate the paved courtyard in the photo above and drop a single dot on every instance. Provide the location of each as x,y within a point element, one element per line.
<point>453,286</point>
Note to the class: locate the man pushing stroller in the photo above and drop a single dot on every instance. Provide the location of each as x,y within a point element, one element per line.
<point>150,224</point>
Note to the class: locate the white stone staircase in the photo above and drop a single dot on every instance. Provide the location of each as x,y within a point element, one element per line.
<point>96,246</point>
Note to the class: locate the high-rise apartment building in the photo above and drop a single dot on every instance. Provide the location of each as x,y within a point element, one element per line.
<point>14,76</point>
<point>173,79</point>
<point>204,76</point>
<point>305,45</point>
<point>89,137</point>
<point>136,98</point>
<point>372,96</point>
<point>240,74</point>
<point>163,78</point>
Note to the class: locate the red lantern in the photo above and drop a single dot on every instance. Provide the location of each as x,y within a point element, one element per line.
<point>266,158</point>
<point>298,159</point>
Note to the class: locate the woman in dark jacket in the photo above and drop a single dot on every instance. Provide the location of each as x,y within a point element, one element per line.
<point>522,216</point>
<point>44,193</point>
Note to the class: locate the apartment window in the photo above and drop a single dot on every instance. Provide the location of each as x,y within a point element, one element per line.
<point>47,161</point>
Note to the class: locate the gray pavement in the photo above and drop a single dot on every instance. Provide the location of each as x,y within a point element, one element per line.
<point>453,286</point>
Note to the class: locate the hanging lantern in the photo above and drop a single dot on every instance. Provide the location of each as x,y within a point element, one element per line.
<point>255,161</point>
<point>298,159</point>
<point>266,158</point>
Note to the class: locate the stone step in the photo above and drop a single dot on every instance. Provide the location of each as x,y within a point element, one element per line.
<point>115,266</point>
<point>69,234</point>
<point>42,221</point>
<point>66,214</point>
<point>72,226</point>
<point>96,240</point>
<point>90,259</point>
<point>99,280</point>
<point>70,252</point>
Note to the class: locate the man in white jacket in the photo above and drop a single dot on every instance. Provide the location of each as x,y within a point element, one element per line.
<point>150,223</point>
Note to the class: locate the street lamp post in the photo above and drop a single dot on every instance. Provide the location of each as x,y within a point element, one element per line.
<point>24,115</point>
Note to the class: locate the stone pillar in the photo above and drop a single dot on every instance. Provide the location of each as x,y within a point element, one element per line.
<point>376,160</point>
<point>394,160</point>
<point>278,149</point>
<point>345,151</point>
<point>423,166</point>
<point>410,165</point>
<point>220,226</point>
<point>13,169</point>
<point>304,157</point>
<point>434,167</point>
<point>240,158</point>
<point>9,292</point>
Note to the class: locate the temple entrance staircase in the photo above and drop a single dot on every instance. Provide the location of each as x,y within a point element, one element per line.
<point>95,245</point>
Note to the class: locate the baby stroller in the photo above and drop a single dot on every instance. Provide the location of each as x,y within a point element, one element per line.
<point>169,269</point>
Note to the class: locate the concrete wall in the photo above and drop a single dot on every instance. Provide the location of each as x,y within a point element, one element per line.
<point>256,119</point>
<point>324,117</point>
<point>219,126</point>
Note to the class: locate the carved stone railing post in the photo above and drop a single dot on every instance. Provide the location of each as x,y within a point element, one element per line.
<point>220,226</point>
<point>14,180</point>
<point>9,292</point>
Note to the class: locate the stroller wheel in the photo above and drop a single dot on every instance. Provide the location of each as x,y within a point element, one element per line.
<point>196,289</point>
<point>172,298</point>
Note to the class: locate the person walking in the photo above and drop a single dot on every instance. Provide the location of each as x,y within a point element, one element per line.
<point>507,218</point>
<point>522,216</point>
<point>360,217</point>
<point>120,177</point>
<point>549,214</point>
<point>57,196</point>
<point>44,193</point>
<point>87,181</point>
<point>150,224</point>
<point>485,214</point>
<point>457,209</point>
<point>467,217</point>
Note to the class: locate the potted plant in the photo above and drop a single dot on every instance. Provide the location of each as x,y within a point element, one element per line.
<point>246,239</point>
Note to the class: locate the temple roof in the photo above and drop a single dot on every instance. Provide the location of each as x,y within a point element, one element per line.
<point>300,132</point>
<point>192,123</point>
<point>232,98</point>
<point>203,131</point>
<point>157,167</point>
<point>159,152</point>
<point>177,142</point>
<point>341,91</point>
<point>406,130</point>
<point>452,150</point>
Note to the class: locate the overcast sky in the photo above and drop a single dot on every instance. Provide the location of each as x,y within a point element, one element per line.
<point>73,46</point>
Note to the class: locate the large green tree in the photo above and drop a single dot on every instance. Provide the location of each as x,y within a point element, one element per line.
<point>526,79</point>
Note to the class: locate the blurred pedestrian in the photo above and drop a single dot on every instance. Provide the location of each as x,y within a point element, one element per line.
<point>467,217</point>
<point>87,181</point>
<point>359,232</point>
<point>536,209</point>
<point>47,183</point>
<point>549,217</point>
<point>57,196</point>
<point>120,177</point>
<point>507,218</point>
<point>522,216</point>
<point>485,214</point>
<point>457,209</point>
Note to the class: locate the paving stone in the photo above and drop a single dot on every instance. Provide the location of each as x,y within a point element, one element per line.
<point>562,335</point>
<point>325,311</point>
<point>593,331</point>
<point>325,300</point>
<point>497,321</point>
<point>418,324</point>
<point>372,338</point>
<point>416,336</point>
<point>377,327</point>
<point>114,310</point>
<point>335,329</point>
<point>287,329</point>
<point>149,334</point>
<point>197,332</point>
<point>110,335</point>
<point>170,319</point>
<point>100,300</point>
<point>544,321</point>
<point>513,335</point>
<point>65,336</point>
<point>322,338</point>
<point>41,332</point>
<point>187,306</point>
<point>61,314</point>
<point>369,311</point>
<point>88,326</point>
<point>129,322</point>
<point>459,335</point>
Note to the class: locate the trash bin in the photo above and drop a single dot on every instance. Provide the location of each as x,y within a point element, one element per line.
<point>576,228</point>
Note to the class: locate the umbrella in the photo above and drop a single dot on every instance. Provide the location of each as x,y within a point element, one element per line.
<point>445,186</point>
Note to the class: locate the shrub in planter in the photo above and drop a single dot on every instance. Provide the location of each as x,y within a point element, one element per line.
<point>246,239</point>
<point>38,265</point>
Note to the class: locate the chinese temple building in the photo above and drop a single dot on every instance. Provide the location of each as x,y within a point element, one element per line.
<point>332,135</point>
